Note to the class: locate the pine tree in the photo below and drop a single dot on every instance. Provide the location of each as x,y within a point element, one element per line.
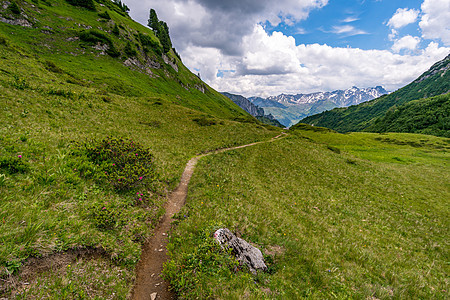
<point>164,37</point>
<point>153,21</point>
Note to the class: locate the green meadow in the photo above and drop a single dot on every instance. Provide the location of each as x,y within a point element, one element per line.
<point>90,147</point>
<point>352,216</point>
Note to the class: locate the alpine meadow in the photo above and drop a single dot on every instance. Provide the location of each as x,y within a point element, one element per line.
<point>103,129</point>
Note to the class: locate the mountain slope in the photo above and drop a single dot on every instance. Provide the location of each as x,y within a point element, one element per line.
<point>296,107</point>
<point>116,53</point>
<point>253,109</point>
<point>427,116</point>
<point>435,81</point>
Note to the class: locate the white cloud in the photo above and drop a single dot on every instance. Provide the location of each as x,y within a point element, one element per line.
<point>435,21</point>
<point>348,30</point>
<point>218,23</point>
<point>273,64</point>
<point>220,37</point>
<point>407,42</point>
<point>403,17</point>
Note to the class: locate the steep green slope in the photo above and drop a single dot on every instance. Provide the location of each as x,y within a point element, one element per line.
<point>67,219</point>
<point>83,48</point>
<point>435,81</point>
<point>428,116</point>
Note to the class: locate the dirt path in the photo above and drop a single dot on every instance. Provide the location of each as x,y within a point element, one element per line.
<point>149,284</point>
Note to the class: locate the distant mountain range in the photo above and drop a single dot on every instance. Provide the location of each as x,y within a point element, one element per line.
<point>253,109</point>
<point>289,109</point>
<point>398,111</point>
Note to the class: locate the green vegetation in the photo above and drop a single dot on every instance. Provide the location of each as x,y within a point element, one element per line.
<point>161,30</point>
<point>89,4</point>
<point>68,114</point>
<point>337,216</point>
<point>434,82</point>
<point>428,116</point>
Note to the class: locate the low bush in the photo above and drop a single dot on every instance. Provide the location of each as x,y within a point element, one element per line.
<point>123,163</point>
<point>93,36</point>
<point>204,121</point>
<point>104,15</point>
<point>13,164</point>
<point>89,4</point>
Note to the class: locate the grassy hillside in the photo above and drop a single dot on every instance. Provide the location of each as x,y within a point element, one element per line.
<point>70,42</point>
<point>435,81</point>
<point>94,135</point>
<point>355,216</point>
<point>428,116</point>
<point>61,204</point>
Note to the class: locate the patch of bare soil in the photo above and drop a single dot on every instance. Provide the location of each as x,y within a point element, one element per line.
<point>36,266</point>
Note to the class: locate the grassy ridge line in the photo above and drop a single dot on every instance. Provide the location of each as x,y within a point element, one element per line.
<point>334,223</point>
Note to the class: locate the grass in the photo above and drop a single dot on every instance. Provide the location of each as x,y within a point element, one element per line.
<point>354,224</point>
<point>56,93</point>
<point>346,216</point>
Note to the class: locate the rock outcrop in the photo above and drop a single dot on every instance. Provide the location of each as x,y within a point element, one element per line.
<point>245,253</point>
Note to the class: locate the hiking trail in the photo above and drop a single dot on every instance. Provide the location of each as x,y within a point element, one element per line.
<point>149,283</point>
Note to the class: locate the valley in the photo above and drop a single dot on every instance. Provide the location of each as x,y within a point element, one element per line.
<point>101,126</point>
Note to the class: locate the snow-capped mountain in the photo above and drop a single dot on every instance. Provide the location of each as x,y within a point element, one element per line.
<point>289,109</point>
<point>341,98</point>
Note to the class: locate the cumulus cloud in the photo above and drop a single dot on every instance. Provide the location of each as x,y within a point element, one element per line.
<point>227,43</point>
<point>272,64</point>
<point>435,22</point>
<point>403,17</point>
<point>220,24</point>
<point>407,42</point>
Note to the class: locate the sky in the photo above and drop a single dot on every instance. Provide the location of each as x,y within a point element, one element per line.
<point>267,47</point>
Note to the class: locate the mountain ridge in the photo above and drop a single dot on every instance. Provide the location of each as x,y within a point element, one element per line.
<point>289,108</point>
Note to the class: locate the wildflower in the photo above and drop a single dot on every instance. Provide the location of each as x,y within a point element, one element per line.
<point>114,164</point>
<point>202,202</point>
<point>136,154</point>
<point>104,208</point>
<point>140,199</point>
<point>137,193</point>
<point>19,156</point>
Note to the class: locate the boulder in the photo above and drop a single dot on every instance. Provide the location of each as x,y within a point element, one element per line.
<point>245,253</point>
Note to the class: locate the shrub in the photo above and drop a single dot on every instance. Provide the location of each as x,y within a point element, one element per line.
<point>116,30</point>
<point>89,4</point>
<point>146,40</point>
<point>105,216</point>
<point>13,165</point>
<point>104,15</point>
<point>93,36</point>
<point>204,121</point>
<point>129,50</point>
<point>124,164</point>
<point>14,8</point>
<point>52,67</point>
